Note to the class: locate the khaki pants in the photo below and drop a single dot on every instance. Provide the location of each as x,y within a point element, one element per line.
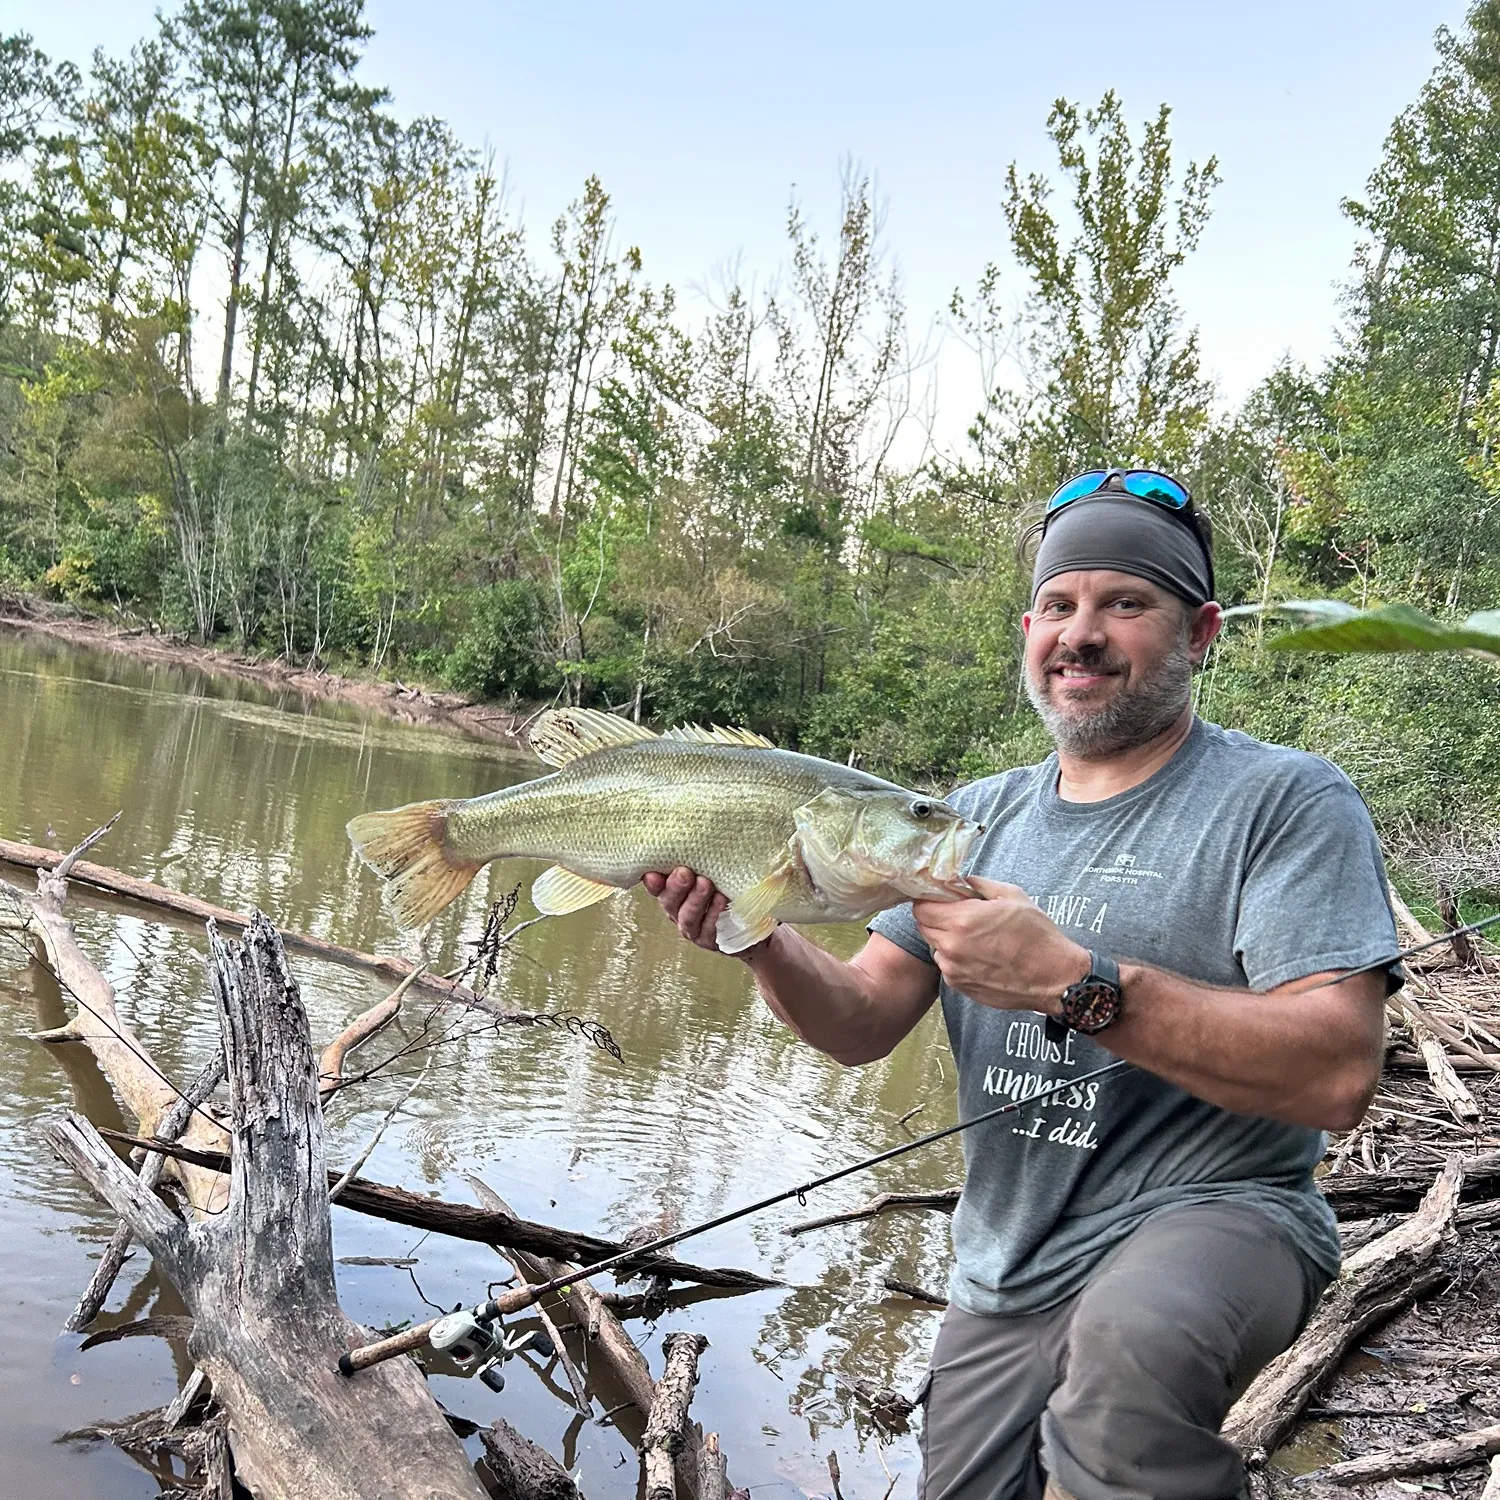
<point>1118,1393</point>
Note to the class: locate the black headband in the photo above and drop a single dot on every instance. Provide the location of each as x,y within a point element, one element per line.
<point>1123,534</point>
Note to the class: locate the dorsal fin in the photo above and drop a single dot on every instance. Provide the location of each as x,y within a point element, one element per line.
<point>696,734</point>
<point>561,735</point>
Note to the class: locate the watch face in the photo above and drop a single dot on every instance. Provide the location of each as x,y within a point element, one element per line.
<point>1091,1005</point>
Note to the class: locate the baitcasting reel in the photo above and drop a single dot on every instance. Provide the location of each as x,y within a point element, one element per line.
<point>477,1345</point>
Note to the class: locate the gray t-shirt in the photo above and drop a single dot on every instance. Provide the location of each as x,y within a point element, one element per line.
<point>1237,864</point>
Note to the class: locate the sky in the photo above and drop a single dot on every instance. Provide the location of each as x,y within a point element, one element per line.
<point>702,120</point>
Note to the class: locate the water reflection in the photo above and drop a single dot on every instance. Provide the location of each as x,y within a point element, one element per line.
<point>240,798</point>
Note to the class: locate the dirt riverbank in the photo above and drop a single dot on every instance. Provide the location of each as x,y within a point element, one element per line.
<point>397,700</point>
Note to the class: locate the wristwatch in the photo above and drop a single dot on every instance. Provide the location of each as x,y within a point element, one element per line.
<point>1094,1002</point>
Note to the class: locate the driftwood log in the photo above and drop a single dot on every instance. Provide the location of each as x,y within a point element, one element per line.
<point>1375,1282</point>
<point>519,1469</point>
<point>667,1424</point>
<point>1425,1458</point>
<point>258,1277</point>
<point>484,1226</point>
<point>117,1251</point>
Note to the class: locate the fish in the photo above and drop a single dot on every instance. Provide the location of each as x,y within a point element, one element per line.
<point>787,837</point>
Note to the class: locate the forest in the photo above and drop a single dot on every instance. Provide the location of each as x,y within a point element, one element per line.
<point>281,368</point>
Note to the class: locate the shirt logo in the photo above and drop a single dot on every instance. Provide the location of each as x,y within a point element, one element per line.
<point>1125,870</point>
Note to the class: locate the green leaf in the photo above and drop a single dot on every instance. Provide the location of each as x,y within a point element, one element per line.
<point>1333,625</point>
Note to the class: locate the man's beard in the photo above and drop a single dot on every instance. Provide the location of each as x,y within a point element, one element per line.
<point>1146,707</point>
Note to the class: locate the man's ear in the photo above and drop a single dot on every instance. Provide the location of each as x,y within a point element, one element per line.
<point>1206,622</point>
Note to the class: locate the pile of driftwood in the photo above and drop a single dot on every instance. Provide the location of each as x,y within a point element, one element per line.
<point>230,1191</point>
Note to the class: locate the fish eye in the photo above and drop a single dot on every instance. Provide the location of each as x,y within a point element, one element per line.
<point>920,809</point>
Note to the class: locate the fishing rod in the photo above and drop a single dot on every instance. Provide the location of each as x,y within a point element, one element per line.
<point>471,1333</point>
<point>528,1296</point>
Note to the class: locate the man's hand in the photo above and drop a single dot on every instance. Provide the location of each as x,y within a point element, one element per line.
<point>690,901</point>
<point>1003,950</point>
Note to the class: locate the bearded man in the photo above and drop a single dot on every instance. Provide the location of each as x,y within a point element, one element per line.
<point>1130,1253</point>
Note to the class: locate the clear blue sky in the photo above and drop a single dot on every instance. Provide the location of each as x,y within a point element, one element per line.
<point>700,119</point>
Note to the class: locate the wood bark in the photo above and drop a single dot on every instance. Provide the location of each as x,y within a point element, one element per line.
<point>1365,1194</point>
<point>485,1227</point>
<point>1375,1282</point>
<point>520,1469</point>
<point>665,1426</point>
<point>1426,1458</point>
<point>258,1277</point>
<point>117,1251</point>
<point>713,1475</point>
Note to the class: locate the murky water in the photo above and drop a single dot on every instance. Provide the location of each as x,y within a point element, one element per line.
<point>241,798</point>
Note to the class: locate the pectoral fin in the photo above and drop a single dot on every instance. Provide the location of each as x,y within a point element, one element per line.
<point>557,891</point>
<point>749,917</point>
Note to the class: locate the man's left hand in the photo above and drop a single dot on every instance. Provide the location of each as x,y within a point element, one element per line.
<point>1001,950</point>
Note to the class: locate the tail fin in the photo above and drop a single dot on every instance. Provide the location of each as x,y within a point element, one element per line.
<point>408,848</point>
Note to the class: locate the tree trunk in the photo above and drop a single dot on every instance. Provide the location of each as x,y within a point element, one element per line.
<point>258,1278</point>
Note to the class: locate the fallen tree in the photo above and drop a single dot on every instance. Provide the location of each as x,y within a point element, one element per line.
<point>258,1277</point>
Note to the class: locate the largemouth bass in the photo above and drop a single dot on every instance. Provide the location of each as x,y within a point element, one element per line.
<point>788,837</point>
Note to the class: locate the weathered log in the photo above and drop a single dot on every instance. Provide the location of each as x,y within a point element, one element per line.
<point>664,1438</point>
<point>713,1476</point>
<point>1446,1084</point>
<point>117,1251</point>
<point>464,1222</point>
<point>101,877</point>
<point>1425,1458</point>
<point>528,1268</point>
<point>1399,1057</point>
<point>258,1278</point>
<point>944,1199</point>
<point>365,1025</point>
<point>1375,1282</point>
<point>521,1470</point>
<point>617,1368</point>
<point>1365,1194</point>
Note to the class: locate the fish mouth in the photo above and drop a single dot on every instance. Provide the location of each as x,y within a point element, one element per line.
<point>944,868</point>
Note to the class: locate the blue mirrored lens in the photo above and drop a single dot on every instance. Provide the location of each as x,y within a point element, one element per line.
<point>1076,488</point>
<point>1150,485</point>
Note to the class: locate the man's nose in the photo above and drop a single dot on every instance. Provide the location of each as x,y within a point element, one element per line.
<point>1085,627</point>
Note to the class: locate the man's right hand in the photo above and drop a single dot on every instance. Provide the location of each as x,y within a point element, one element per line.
<point>692,902</point>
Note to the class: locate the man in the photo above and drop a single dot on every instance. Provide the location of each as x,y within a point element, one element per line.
<point>1131,1253</point>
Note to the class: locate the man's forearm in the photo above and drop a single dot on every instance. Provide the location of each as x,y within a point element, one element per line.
<point>832,1005</point>
<point>1286,1054</point>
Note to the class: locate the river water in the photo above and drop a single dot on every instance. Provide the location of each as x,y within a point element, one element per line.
<point>240,797</point>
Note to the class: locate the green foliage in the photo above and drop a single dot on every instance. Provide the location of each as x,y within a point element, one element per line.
<point>498,654</point>
<point>1332,625</point>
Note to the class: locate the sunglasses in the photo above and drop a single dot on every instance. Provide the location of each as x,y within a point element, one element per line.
<point>1144,484</point>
